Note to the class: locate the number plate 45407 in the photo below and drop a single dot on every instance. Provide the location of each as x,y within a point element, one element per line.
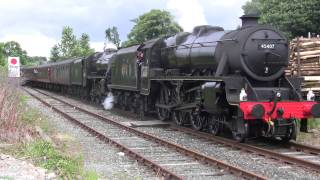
<point>267,46</point>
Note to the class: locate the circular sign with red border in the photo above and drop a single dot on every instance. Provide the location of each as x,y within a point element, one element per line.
<point>13,61</point>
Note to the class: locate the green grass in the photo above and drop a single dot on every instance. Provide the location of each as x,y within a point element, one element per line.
<point>23,99</point>
<point>30,116</point>
<point>44,124</point>
<point>314,123</point>
<point>90,175</point>
<point>6,178</point>
<point>43,154</point>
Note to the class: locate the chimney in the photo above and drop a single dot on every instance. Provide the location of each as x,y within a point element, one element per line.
<point>249,20</point>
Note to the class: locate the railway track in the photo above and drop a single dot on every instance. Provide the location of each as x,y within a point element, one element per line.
<point>293,153</point>
<point>304,148</point>
<point>301,154</point>
<point>169,160</point>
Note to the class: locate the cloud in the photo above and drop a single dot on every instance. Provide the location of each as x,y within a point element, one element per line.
<point>189,13</point>
<point>97,46</point>
<point>37,24</point>
<point>224,3</point>
<point>35,44</point>
<point>224,13</point>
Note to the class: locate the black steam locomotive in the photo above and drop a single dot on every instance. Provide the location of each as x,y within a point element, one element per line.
<point>211,78</point>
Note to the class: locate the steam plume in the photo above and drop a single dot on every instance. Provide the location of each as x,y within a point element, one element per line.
<point>108,102</point>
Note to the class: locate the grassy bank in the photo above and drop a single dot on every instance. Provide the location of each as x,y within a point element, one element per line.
<point>51,155</point>
<point>44,154</point>
<point>314,123</point>
<point>19,132</point>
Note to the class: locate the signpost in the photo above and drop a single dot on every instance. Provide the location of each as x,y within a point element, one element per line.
<point>13,67</point>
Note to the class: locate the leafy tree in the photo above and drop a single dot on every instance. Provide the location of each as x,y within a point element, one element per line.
<point>84,46</point>
<point>37,60</point>
<point>13,48</point>
<point>153,24</point>
<point>293,17</point>
<point>252,7</point>
<point>70,46</point>
<point>112,35</point>
<point>55,53</point>
<point>68,42</point>
<point>2,55</point>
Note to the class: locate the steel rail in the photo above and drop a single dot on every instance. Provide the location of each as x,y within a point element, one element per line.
<point>157,168</point>
<point>196,155</point>
<point>252,149</point>
<point>304,148</point>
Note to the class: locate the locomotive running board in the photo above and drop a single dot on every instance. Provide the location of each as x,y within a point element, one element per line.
<point>177,106</point>
<point>188,78</point>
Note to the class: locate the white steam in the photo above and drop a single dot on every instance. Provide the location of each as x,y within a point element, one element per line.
<point>108,102</point>
<point>189,13</point>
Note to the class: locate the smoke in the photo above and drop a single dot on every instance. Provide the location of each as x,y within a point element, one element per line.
<point>189,13</point>
<point>108,102</point>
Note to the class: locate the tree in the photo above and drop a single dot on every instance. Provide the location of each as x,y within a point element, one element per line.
<point>70,46</point>
<point>68,42</point>
<point>153,24</point>
<point>14,49</point>
<point>112,35</point>
<point>84,46</point>
<point>2,55</point>
<point>55,53</point>
<point>37,60</point>
<point>252,7</point>
<point>293,17</point>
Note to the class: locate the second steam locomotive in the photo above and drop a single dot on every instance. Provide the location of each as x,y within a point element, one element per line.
<point>210,79</point>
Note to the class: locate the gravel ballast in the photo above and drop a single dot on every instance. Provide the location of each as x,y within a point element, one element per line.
<point>269,168</point>
<point>99,157</point>
<point>188,168</point>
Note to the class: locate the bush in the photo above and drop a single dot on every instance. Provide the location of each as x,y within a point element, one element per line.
<point>314,123</point>
<point>44,154</point>
<point>17,124</point>
<point>12,129</point>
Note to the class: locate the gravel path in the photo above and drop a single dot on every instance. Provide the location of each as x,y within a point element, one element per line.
<point>12,168</point>
<point>104,159</point>
<point>271,169</point>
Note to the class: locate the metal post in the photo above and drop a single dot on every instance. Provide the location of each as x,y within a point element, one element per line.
<point>304,125</point>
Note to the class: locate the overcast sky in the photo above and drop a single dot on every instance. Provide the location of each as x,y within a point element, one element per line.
<point>37,24</point>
